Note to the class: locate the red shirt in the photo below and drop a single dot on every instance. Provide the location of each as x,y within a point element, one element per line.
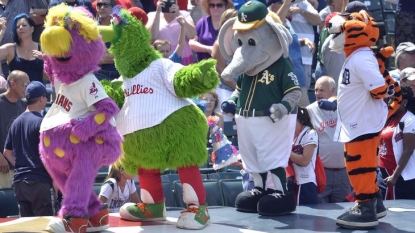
<point>386,155</point>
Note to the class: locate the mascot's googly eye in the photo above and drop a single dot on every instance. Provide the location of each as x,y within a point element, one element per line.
<point>350,17</point>
<point>251,42</point>
<point>239,42</point>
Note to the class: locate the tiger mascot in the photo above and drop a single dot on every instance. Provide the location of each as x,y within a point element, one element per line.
<point>362,111</point>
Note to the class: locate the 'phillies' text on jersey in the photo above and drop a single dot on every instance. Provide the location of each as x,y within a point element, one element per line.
<point>138,89</point>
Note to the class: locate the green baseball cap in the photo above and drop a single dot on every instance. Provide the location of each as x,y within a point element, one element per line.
<point>251,15</point>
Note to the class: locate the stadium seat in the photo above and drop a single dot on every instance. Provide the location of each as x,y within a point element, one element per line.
<point>8,203</point>
<point>230,188</point>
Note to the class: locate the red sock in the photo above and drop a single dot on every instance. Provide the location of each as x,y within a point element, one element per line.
<point>150,180</point>
<point>191,175</point>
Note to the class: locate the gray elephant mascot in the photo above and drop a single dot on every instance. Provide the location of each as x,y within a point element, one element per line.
<point>263,104</point>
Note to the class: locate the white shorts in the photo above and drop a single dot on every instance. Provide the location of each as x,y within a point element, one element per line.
<point>265,145</point>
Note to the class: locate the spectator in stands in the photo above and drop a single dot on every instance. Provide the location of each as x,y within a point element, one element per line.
<point>329,62</point>
<point>164,25</point>
<point>303,16</point>
<point>404,58</point>
<point>118,189</point>
<point>330,152</point>
<point>163,46</point>
<point>196,10</point>
<point>108,70</point>
<point>126,4</point>
<point>225,88</point>
<point>24,54</point>
<point>332,6</point>
<point>212,102</point>
<point>397,150</point>
<point>32,183</point>
<point>85,3</point>
<point>408,78</point>
<point>303,158</point>
<point>207,29</point>
<point>282,9</point>
<point>10,10</point>
<point>405,22</point>
<point>11,106</point>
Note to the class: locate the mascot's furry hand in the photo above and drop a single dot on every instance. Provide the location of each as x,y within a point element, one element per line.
<point>82,128</point>
<point>228,107</point>
<point>277,112</point>
<point>114,91</point>
<point>196,79</point>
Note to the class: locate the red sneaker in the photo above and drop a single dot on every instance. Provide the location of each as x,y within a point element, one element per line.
<point>100,221</point>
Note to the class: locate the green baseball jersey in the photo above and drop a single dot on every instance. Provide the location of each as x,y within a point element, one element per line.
<point>268,87</point>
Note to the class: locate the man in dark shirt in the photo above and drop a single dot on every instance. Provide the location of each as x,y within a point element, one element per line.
<point>31,181</point>
<point>11,106</point>
<point>85,3</point>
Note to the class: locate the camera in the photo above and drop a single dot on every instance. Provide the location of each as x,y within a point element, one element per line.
<point>167,5</point>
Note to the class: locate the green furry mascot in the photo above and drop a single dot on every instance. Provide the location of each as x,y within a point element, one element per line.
<point>162,128</point>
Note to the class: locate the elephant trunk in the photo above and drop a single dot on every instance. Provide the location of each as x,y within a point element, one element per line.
<point>238,66</point>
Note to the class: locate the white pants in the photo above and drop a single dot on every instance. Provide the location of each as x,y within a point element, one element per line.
<point>265,145</point>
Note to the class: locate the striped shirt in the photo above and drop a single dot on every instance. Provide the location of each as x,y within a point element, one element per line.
<point>149,97</point>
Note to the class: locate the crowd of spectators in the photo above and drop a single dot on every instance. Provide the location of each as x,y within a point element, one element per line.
<point>186,31</point>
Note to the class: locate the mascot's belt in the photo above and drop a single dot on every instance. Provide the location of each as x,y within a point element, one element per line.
<point>246,113</point>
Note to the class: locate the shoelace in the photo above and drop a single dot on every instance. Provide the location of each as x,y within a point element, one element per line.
<point>255,191</point>
<point>276,195</point>
<point>142,207</point>
<point>190,210</point>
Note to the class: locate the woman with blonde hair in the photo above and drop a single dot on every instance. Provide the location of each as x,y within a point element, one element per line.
<point>118,189</point>
<point>207,28</point>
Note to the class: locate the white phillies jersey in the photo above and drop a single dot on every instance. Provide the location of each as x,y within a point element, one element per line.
<point>74,101</point>
<point>149,97</point>
<point>358,112</point>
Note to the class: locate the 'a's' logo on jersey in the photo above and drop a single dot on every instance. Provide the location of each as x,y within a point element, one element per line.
<point>93,90</point>
<point>266,78</point>
<point>294,78</point>
<point>346,77</point>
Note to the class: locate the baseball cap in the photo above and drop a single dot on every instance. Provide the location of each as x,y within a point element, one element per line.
<point>355,6</point>
<point>36,89</point>
<point>327,20</point>
<point>250,15</point>
<point>139,13</point>
<point>408,73</point>
<point>405,46</point>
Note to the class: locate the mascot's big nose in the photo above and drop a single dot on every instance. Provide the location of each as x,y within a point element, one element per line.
<point>107,33</point>
<point>238,66</point>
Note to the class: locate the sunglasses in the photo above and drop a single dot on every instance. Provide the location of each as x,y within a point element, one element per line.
<point>105,5</point>
<point>217,5</point>
<point>22,84</point>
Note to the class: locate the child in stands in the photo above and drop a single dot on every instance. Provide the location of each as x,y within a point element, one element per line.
<point>118,189</point>
<point>163,46</point>
<point>303,159</point>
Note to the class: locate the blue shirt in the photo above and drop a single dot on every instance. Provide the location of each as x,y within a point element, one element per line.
<point>174,57</point>
<point>23,140</point>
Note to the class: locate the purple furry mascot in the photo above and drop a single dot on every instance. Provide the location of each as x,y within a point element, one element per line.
<point>78,134</point>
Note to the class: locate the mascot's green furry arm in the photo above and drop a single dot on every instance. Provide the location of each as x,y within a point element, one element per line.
<point>162,128</point>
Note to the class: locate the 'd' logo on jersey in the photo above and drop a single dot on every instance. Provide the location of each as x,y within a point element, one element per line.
<point>93,90</point>
<point>346,77</point>
<point>266,78</point>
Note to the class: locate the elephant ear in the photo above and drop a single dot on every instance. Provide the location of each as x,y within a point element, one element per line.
<point>283,34</point>
<point>227,44</point>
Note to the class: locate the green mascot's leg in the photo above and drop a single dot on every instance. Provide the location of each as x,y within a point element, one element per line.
<point>278,201</point>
